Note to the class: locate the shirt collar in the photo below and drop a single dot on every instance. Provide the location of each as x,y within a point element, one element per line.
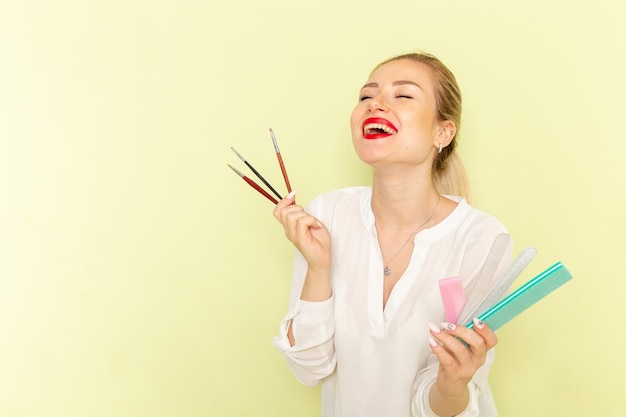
<point>431,234</point>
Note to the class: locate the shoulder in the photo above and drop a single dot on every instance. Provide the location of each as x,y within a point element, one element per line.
<point>472,219</point>
<point>479,231</point>
<point>339,198</point>
<point>484,225</point>
<point>466,225</point>
<point>343,206</point>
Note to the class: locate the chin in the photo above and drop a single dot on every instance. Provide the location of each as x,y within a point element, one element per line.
<point>370,157</point>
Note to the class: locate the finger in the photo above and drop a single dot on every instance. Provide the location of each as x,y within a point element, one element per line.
<point>452,337</point>
<point>455,359</point>
<point>455,366</point>
<point>291,218</point>
<point>301,227</point>
<point>283,212</point>
<point>475,344</point>
<point>438,346</point>
<point>285,202</point>
<point>488,335</point>
<point>445,358</point>
<point>305,223</point>
<point>289,213</point>
<point>468,337</point>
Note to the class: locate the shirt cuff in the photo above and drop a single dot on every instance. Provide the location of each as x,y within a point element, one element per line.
<point>312,324</point>
<point>314,313</point>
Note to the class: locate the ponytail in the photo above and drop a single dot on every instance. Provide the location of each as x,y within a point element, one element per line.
<point>450,177</point>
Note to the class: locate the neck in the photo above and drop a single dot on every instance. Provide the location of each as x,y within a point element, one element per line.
<point>402,201</point>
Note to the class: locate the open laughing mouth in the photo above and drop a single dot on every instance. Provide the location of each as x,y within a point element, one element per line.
<point>378,128</point>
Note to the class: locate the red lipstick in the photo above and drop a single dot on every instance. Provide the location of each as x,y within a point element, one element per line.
<point>378,128</point>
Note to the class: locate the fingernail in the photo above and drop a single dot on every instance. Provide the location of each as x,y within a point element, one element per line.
<point>432,341</point>
<point>478,323</point>
<point>434,328</point>
<point>448,326</point>
<point>291,194</point>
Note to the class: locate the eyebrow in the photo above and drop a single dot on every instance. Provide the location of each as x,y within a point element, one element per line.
<point>399,82</point>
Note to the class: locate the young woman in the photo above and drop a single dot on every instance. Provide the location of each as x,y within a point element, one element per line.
<point>365,288</point>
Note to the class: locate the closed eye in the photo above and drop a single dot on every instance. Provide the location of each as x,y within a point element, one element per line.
<point>403,96</point>
<point>364,97</point>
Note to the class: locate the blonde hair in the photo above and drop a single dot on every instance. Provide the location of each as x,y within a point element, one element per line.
<point>449,175</point>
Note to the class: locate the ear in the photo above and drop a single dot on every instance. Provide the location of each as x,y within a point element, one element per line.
<point>445,133</point>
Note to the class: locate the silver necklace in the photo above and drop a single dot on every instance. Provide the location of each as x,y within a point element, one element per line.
<point>387,270</point>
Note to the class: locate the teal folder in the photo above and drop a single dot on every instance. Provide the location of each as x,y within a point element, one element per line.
<point>525,296</point>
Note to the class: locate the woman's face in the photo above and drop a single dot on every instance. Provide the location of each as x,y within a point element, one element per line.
<point>395,120</point>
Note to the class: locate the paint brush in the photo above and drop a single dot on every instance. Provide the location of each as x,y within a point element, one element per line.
<point>257,174</point>
<point>280,161</point>
<point>254,185</point>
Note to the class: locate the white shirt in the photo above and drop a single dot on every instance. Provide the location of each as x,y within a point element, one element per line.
<point>374,362</point>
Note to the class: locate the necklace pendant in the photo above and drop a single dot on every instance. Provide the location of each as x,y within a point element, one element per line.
<point>387,271</point>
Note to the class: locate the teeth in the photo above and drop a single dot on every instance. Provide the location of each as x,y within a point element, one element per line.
<point>370,127</point>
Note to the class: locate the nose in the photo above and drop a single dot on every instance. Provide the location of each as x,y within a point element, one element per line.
<point>376,104</point>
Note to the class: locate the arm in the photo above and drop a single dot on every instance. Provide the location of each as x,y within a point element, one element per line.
<point>455,380</point>
<point>450,394</point>
<point>312,239</point>
<point>480,399</point>
<point>307,332</point>
<point>316,288</point>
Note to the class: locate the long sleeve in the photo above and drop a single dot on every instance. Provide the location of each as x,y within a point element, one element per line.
<point>312,357</point>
